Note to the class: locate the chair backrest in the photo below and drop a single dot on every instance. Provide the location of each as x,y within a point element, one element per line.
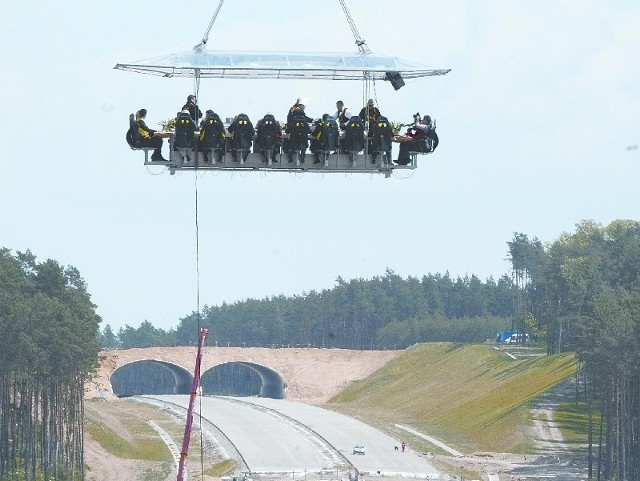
<point>212,132</point>
<point>381,134</point>
<point>427,140</point>
<point>329,135</point>
<point>242,132</point>
<point>133,136</point>
<point>185,130</point>
<point>268,132</point>
<point>354,134</point>
<point>299,132</point>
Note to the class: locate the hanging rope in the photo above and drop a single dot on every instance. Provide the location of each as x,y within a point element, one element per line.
<point>196,88</point>
<point>197,256</point>
<point>196,85</point>
<point>198,317</point>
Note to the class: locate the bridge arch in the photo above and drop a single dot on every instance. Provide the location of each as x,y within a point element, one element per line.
<point>272,384</point>
<point>150,376</point>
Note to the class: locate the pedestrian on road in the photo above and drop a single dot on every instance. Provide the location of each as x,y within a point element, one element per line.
<point>403,445</point>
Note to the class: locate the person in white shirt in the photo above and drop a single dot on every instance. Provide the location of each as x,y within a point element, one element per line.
<point>342,115</point>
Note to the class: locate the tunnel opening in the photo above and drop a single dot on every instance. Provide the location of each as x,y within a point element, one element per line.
<point>231,379</point>
<point>242,379</point>
<point>150,377</point>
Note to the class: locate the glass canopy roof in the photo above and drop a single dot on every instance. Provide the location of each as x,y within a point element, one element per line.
<point>279,65</point>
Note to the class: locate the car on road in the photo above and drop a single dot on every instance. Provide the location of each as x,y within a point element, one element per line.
<point>359,449</point>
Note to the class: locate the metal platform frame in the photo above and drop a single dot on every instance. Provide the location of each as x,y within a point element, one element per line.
<point>334,162</point>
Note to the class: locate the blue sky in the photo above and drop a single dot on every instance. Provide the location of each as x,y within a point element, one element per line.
<point>535,119</point>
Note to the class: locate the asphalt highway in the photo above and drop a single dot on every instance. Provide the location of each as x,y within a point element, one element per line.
<point>279,436</point>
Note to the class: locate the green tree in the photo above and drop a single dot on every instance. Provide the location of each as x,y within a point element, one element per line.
<point>48,348</point>
<point>583,291</point>
<point>108,339</point>
<point>146,335</point>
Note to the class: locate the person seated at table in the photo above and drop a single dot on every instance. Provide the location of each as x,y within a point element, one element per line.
<point>369,113</point>
<point>192,107</point>
<point>149,137</point>
<point>297,110</point>
<point>423,139</point>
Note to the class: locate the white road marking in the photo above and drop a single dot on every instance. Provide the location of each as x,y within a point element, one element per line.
<point>431,440</point>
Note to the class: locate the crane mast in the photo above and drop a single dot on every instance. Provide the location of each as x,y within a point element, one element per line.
<point>203,43</point>
<point>189,422</point>
<point>360,42</point>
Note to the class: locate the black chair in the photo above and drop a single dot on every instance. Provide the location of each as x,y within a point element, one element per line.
<point>134,139</point>
<point>381,134</point>
<point>268,141</point>
<point>133,136</point>
<point>329,138</point>
<point>298,138</point>
<point>242,132</point>
<point>212,138</point>
<point>184,137</point>
<point>354,137</point>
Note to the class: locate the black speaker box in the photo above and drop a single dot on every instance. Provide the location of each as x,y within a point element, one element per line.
<point>396,79</point>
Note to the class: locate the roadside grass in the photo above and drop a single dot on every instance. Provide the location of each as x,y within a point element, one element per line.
<point>157,472</point>
<point>573,420</point>
<point>222,468</point>
<point>121,428</point>
<point>456,471</point>
<point>134,438</point>
<point>472,397</point>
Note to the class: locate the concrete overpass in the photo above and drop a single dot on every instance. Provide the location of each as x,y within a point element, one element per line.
<point>310,375</point>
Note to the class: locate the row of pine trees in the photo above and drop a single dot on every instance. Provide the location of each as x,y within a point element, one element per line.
<point>48,348</point>
<point>386,312</point>
<point>582,292</point>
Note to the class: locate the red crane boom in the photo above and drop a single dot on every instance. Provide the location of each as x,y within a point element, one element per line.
<point>194,392</point>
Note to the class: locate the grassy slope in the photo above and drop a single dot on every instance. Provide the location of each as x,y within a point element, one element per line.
<point>472,397</point>
<point>121,429</point>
